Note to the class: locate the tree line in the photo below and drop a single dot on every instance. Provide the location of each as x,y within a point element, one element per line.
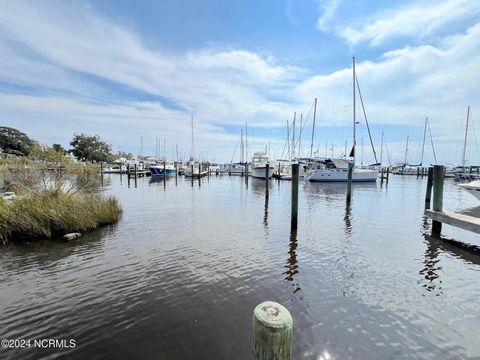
<point>84,147</point>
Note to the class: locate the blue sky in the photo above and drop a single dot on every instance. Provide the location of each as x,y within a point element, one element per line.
<point>136,70</point>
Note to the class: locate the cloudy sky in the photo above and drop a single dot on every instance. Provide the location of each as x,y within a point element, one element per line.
<point>132,71</point>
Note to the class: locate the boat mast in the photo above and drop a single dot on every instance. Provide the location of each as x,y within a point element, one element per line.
<point>354,115</point>
<point>300,136</point>
<point>193,144</point>
<point>288,142</point>
<point>424,135</point>
<point>465,141</point>
<point>406,150</point>
<point>381,151</point>
<point>313,127</point>
<point>242,148</point>
<point>293,136</point>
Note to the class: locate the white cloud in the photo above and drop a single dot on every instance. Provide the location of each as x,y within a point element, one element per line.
<point>50,48</point>
<point>419,20</point>
<point>327,9</point>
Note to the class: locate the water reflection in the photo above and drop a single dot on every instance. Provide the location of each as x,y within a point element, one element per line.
<point>265,212</point>
<point>348,218</point>
<point>292,263</point>
<point>435,247</point>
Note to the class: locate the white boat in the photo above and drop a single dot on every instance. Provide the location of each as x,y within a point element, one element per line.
<point>259,166</point>
<point>336,170</point>
<point>198,169</point>
<point>472,187</point>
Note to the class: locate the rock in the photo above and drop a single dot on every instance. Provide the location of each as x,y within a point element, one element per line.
<point>72,236</point>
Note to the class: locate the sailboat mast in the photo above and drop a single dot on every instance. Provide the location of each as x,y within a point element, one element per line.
<point>406,151</point>
<point>241,147</point>
<point>354,107</point>
<point>465,141</point>
<point>193,144</point>
<point>424,135</point>
<point>313,127</point>
<point>381,151</point>
<point>300,136</point>
<point>288,142</point>
<point>293,136</point>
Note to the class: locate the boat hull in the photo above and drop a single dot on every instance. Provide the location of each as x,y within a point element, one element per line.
<point>258,172</point>
<point>341,175</point>
<point>160,171</point>
<point>473,188</point>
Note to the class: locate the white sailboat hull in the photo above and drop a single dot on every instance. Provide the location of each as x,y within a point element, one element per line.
<point>473,188</point>
<point>341,175</point>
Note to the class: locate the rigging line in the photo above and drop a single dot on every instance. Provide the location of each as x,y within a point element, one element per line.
<point>285,143</point>
<point>424,134</point>
<point>236,147</point>
<point>340,91</point>
<point>366,120</point>
<point>386,149</point>
<point>431,140</point>
<point>306,118</point>
<point>474,134</point>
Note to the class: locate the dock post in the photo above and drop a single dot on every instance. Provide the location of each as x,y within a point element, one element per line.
<point>176,172</point>
<point>388,172</point>
<point>208,170</point>
<point>246,174</point>
<point>192,173</point>
<point>381,176</point>
<point>128,175</point>
<point>101,171</point>
<point>164,173</point>
<point>267,170</point>
<point>199,174</point>
<point>272,331</point>
<point>136,174</point>
<point>418,172</point>
<point>428,194</point>
<point>295,175</point>
<point>438,177</point>
<point>349,182</point>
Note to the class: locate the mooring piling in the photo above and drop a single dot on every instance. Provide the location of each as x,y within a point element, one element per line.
<point>267,170</point>
<point>428,193</point>
<point>294,216</point>
<point>192,173</point>
<point>349,182</point>
<point>272,332</point>
<point>438,177</point>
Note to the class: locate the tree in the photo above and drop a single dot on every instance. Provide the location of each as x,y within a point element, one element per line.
<point>59,148</point>
<point>90,148</point>
<point>13,141</point>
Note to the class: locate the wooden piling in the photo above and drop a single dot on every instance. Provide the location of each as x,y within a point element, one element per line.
<point>192,173</point>
<point>438,177</point>
<point>101,172</point>
<point>388,172</point>
<point>428,193</point>
<point>381,176</point>
<point>267,170</point>
<point>164,173</point>
<point>272,332</point>
<point>418,172</point>
<point>199,174</point>
<point>349,182</point>
<point>294,217</point>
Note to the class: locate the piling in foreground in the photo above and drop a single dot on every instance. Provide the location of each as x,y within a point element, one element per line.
<point>272,331</point>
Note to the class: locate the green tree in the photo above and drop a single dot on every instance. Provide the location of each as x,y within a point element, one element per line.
<point>90,148</point>
<point>59,148</point>
<point>13,141</point>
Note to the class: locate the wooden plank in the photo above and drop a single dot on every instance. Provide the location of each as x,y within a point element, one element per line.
<point>462,221</point>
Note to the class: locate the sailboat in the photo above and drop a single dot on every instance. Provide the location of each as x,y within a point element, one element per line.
<point>193,167</point>
<point>336,170</point>
<point>463,175</point>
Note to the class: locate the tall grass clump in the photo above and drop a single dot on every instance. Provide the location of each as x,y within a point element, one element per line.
<point>55,196</point>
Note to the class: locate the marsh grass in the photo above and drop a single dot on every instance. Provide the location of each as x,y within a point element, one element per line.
<point>55,196</point>
<point>52,214</point>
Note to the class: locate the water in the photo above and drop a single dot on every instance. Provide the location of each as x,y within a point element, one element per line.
<point>179,275</point>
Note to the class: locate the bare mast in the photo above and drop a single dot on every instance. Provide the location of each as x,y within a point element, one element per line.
<point>313,127</point>
<point>465,141</point>
<point>354,114</point>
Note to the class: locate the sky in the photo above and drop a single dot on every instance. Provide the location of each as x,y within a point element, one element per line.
<point>136,72</point>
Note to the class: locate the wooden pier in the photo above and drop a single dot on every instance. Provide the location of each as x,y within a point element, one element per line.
<point>468,222</point>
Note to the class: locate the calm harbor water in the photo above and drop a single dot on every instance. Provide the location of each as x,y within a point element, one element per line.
<point>179,275</point>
